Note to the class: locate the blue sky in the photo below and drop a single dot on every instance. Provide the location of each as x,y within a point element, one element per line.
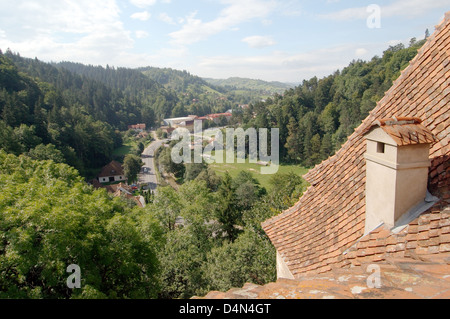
<point>272,40</point>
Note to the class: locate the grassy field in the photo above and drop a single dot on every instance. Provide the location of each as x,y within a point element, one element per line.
<point>124,149</point>
<point>129,144</point>
<point>264,179</point>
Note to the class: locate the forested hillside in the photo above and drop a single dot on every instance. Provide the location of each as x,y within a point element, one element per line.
<point>200,96</point>
<point>316,117</point>
<point>178,80</point>
<point>53,114</point>
<point>264,87</point>
<point>74,113</point>
<point>150,100</point>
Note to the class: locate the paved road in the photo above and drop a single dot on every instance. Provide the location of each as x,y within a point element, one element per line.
<point>148,173</point>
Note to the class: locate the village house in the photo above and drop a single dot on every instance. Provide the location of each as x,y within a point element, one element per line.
<point>375,220</point>
<point>125,191</point>
<point>166,129</point>
<point>113,172</point>
<point>189,121</point>
<point>188,124</point>
<point>137,127</point>
<point>177,121</point>
<point>216,117</point>
<point>120,190</point>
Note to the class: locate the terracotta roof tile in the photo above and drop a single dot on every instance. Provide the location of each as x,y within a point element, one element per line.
<point>400,278</point>
<point>329,218</point>
<point>112,169</point>
<point>407,130</point>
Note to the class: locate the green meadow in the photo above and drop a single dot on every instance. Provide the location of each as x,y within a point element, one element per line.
<point>264,179</point>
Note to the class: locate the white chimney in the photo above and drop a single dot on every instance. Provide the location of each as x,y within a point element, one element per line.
<point>397,162</point>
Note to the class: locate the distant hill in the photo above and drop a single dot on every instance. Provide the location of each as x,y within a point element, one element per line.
<point>180,81</point>
<point>236,90</point>
<point>264,87</point>
<point>316,117</point>
<point>116,78</point>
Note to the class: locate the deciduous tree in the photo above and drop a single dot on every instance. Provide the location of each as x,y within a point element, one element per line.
<point>132,166</point>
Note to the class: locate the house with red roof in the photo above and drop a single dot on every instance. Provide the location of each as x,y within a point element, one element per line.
<point>216,117</point>
<point>137,127</point>
<point>113,172</point>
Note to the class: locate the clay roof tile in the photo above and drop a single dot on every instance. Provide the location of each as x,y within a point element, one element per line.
<point>405,130</point>
<point>330,216</point>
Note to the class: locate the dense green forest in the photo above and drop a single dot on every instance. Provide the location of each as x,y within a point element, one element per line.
<point>50,219</point>
<point>202,96</point>
<point>70,123</point>
<point>236,90</point>
<point>251,85</point>
<point>180,81</point>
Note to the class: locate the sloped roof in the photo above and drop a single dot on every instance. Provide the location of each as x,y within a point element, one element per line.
<point>405,131</point>
<point>216,115</point>
<point>400,278</point>
<point>325,228</point>
<point>137,126</point>
<point>112,169</point>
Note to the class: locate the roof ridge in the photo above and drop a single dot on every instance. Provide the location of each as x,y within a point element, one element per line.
<point>330,216</point>
<point>368,121</point>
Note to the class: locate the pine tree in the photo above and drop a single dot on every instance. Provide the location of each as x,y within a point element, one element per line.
<point>294,144</point>
<point>228,214</point>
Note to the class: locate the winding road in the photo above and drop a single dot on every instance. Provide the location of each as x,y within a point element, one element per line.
<point>148,172</point>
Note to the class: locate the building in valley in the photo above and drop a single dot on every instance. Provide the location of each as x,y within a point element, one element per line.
<point>113,172</point>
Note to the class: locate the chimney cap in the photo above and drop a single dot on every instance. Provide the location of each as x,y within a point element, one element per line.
<point>404,130</point>
<point>398,121</point>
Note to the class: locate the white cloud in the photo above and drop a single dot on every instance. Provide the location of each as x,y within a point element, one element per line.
<point>360,52</point>
<point>237,11</point>
<point>71,16</point>
<point>74,30</point>
<point>394,42</point>
<point>143,16</point>
<point>412,8</point>
<point>407,8</point>
<point>292,8</point>
<point>165,18</point>
<point>259,41</point>
<point>282,66</point>
<point>140,34</point>
<point>347,14</point>
<point>143,3</point>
